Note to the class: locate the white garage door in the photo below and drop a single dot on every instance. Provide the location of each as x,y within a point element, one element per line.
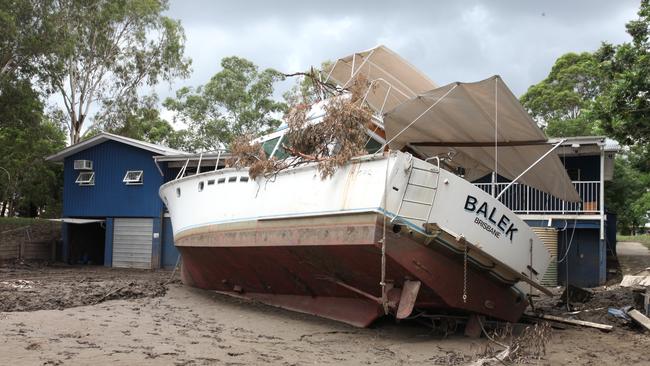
<point>132,243</point>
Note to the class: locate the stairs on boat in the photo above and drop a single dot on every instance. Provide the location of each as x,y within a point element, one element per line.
<point>420,192</point>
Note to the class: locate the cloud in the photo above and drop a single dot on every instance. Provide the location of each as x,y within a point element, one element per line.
<point>450,41</point>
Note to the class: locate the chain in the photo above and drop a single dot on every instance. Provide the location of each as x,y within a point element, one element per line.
<point>465,275</point>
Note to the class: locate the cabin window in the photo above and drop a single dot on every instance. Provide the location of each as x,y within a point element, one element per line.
<point>201,185</point>
<point>178,192</point>
<point>243,179</point>
<point>133,177</point>
<point>232,179</point>
<point>269,146</point>
<point>210,182</point>
<point>280,153</point>
<point>221,180</point>
<point>372,146</point>
<point>86,179</point>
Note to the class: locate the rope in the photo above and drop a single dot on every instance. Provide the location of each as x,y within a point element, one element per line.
<point>178,260</point>
<point>384,295</point>
<point>496,135</point>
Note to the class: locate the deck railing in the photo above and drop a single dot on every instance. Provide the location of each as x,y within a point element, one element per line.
<point>523,199</point>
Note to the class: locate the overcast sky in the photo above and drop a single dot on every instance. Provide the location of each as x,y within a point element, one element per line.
<point>449,41</point>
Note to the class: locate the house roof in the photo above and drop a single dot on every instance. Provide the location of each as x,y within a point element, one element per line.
<point>105,136</point>
<point>607,143</point>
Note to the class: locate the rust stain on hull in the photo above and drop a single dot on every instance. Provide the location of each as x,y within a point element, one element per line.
<point>301,264</point>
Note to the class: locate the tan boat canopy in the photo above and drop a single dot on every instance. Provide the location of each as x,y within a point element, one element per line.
<point>479,126</point>
<point>394,80</point>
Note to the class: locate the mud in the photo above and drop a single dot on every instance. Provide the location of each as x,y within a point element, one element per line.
<point>38,286</point>
<point>177,325</point>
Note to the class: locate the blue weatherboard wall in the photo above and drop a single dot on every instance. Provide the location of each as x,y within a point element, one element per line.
<point>108,243</point>
<point>169,252</point>
<point>110,197</point>
<point>586,258</point>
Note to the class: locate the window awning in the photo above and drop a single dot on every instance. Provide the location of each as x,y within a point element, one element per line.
<point>70,220</point>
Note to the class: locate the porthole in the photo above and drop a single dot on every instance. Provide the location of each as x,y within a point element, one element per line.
<point>243,179</point>
<point>232,179</point>
<point>201,185</point>
<point>178,192</point>
<point>210,182</point>
<point>221,180</point>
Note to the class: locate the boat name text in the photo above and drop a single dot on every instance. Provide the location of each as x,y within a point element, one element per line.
<point>503,225</point>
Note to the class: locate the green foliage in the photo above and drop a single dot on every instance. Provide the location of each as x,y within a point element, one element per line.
<point>109,48</point>
<point>562,101</point>
<point>237,101</point>
<point>627,195</point>
<point>25,35</point>
<point>29,186</point>
<point>136,118</point>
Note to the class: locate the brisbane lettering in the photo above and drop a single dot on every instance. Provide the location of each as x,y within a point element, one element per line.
<point>504,225</point>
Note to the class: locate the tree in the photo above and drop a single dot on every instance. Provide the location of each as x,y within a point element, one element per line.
<point>562,101</point>
<point>136,118</point>
<point>309,87</point>
<point>25,34</point>
<point>28,185</point>
<point>237,101</point>
<point>624,107</point>
<point>108,49</point>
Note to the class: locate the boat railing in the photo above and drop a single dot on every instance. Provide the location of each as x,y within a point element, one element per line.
<point>523,199</point>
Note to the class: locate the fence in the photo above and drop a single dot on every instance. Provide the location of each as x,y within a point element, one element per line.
<point>523,199</point>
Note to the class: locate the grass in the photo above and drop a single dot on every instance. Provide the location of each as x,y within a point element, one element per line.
<point>18,221</point>
<point>643,239</point>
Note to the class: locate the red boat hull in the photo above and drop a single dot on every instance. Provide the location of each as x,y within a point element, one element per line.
<point>331,267</point>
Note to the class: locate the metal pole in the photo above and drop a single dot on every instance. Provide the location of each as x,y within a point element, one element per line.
<point>216,165</point>
<point>531,167</point>
<point>198,166</point>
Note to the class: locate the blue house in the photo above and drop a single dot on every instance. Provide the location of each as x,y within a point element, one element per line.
<point>582,235</point>
<point>112,214</point>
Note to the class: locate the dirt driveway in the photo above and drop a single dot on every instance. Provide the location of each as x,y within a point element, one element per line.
<point>185,326</point>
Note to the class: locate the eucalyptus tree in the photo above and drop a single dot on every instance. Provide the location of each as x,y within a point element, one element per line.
<point>107,50</point>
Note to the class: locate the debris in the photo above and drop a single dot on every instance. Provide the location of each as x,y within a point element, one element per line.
<point>473,326</point>
<point>576,294</point>
<point>639,318</point>
<point>522,349</point>
<point>575,322</point>
<point>620,313</point>
<point>634,281</point>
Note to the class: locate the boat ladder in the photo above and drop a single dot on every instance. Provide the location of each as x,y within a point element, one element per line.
<point>415,205</point>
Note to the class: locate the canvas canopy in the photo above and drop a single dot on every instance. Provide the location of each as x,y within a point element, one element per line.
<point>463,120</point>
<point>457,121</point>
<point>393,79</point>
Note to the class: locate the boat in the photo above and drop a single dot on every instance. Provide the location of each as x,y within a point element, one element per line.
<point>400,231</point>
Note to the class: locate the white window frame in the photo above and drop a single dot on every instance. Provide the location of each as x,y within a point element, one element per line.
<point>131,181</point>
<point>86,182</point>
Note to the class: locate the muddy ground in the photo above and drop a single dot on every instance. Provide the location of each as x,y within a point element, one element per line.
<point>93,315</point>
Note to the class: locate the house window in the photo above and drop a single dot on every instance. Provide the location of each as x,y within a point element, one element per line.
<point>86,179</point>
<point>133,177</point>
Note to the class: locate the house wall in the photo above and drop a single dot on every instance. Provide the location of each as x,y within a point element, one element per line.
<point>110,197</point>
<point>587,256</point>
